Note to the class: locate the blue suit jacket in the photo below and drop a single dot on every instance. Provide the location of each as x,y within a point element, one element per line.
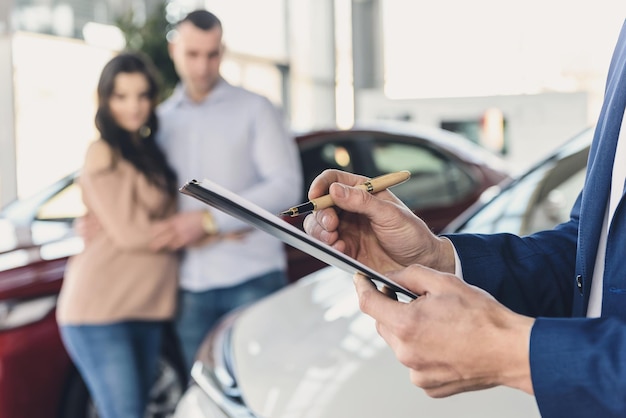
<point>578,365</point>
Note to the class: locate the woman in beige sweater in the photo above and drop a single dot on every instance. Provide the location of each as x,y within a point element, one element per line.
<point>117,293</point>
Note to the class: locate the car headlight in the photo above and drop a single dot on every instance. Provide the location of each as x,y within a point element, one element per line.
<point>214,371</point>
<point>17,313</point>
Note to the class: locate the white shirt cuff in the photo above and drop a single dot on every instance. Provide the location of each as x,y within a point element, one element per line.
<point>458,270</point>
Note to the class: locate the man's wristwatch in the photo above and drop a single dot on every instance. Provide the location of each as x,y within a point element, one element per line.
<point>208,223</point>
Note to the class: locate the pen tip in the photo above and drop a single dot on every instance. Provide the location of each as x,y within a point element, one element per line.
<point>289,212</point>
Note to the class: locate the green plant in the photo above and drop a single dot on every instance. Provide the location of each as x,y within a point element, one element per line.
<point>149,37</point>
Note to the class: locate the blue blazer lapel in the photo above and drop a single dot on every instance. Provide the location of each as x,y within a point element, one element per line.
<point>597,187</point>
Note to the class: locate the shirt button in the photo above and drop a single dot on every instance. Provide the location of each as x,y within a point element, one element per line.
<point>579,283</point>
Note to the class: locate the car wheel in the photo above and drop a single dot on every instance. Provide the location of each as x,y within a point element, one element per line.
<point>164,394</point>
<point>167,389</point>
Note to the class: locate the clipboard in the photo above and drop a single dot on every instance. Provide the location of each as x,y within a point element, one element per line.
<point>223,199</point>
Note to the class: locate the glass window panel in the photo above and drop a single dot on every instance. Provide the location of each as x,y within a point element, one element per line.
<point>434,181</point>
<point>338,155</point>
<point>65,205</point>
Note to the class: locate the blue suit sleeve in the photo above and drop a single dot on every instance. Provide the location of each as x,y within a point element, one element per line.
<point>578,367</point>
<point>532,275</point>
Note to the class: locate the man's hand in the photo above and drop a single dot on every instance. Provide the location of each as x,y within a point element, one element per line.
<point>454,337</point>
<point>378,230</point>
<point>178,231</point>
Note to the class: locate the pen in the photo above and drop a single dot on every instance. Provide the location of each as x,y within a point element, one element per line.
<point>372,186</point>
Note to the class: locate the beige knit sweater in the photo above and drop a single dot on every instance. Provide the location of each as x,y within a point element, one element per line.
<point>117,277</point>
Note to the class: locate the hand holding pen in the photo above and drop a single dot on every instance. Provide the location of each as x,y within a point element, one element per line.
<point>374,185</point>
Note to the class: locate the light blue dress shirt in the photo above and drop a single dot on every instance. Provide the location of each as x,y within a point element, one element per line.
<point>237,139</point>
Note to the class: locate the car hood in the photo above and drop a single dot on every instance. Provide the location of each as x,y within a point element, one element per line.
<point>308,351</point>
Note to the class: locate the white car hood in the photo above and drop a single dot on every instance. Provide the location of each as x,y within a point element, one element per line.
<point>308,352</point>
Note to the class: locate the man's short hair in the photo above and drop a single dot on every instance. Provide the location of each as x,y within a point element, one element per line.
<point>202,19</point>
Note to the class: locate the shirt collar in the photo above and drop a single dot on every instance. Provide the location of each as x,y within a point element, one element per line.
<point>179,95</point>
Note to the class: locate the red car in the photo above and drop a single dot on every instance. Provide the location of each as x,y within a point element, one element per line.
<point>448,172</point>
<point>37,379</point>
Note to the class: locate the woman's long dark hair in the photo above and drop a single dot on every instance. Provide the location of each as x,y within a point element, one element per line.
<point>145,155</point>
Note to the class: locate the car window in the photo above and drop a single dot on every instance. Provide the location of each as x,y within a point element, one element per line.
<point>540,200</point>
<point>435,180</point>
<point>339,154</point>
<point>553,205</point>
<point>66,205</point>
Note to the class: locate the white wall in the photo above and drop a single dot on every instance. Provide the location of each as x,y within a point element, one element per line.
<point>55,103</point>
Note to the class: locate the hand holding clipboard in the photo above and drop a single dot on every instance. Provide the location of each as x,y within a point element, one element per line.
<point>223,199</point>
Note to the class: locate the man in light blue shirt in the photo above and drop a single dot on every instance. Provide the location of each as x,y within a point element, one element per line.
<point>236,138</point>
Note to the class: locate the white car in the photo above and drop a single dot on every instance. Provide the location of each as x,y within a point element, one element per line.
<point>308,352</point>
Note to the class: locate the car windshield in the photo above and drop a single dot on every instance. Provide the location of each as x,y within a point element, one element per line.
<point>59,201</point>
<point>539,199</point>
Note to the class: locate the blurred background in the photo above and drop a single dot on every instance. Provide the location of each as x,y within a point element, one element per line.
<point>511,76</point>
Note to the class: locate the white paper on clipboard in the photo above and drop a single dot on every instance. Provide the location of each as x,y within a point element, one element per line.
<point>223,199</point>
